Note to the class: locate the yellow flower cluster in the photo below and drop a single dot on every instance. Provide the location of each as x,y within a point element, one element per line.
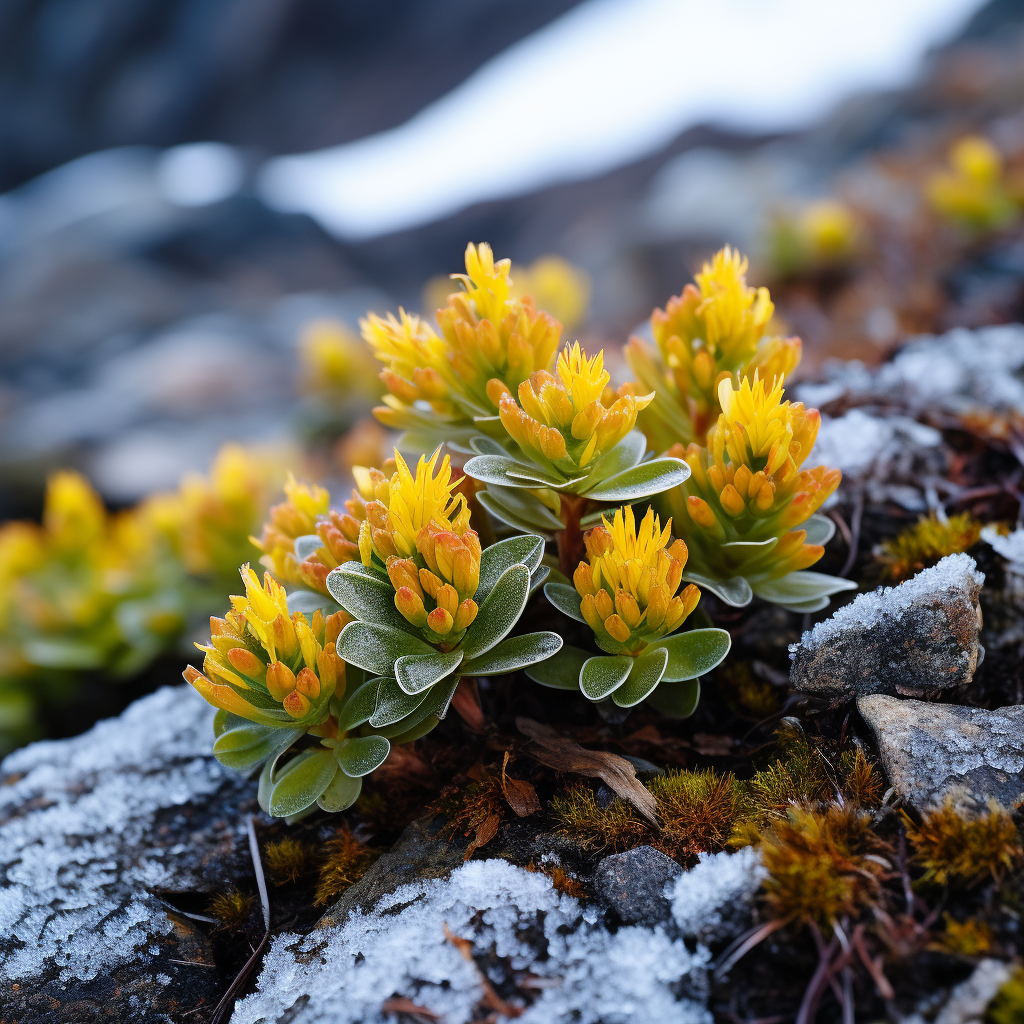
<point>973,191</point>
<point>561,420</point>
<point>746,485</point>
<point>821,236</point>
<point>628,585</point>
<point>296,517</point>
<point>335,363</point>
<point>486,334</point>
<point>267,665</point>
<point>714,330</point>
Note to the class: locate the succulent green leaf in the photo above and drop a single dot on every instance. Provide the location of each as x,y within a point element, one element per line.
<point>360,755</point>
<point>801,587</point>
<point>223,720</point>
<point>308,601</point>
<point>341,794</point>
<point>435,705</point>
<point>302,782</point>
<point>527,550</point>
<point>694,653</point>
<point>604,674</point>
<point>676,700</point>
<point>417,672</point>
<point>514,653</point>
<point>428,724</point>
<point>499,611</point>
<point>750,547</point>
<point>625,455</point>
<point>484,445</point>
<point>561,672</point>
<point>393,703</point>
<point>534,476</point>
<point>538,578</point>
<point>245,746</point>
<point>647,671</point>
<point>376,647</point>
<point>814,604</point>
<point>497,469</point>
<point>306,545</point>
<point>641,481</point>
<point>820,529</point>
<point>358,707</point>
<point>267,779</point>
<point>516,507</point>
<point>366,598</point>
<point>734,591</point>
<point>565,599</point>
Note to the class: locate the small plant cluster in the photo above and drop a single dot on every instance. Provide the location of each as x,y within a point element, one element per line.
<point>88,591</point>
<point>926,543</point>
<point>419,583</point>
<point>975,191</point>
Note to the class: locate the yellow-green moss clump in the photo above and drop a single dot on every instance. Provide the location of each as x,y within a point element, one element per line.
<point>959,850</point>
<point>926,543</point>
<point>232,909</point>
<point>345,861</point>
<point>286,860</point>
<point>1008,1005</point>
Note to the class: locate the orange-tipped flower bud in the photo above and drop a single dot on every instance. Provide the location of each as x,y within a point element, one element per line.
<point>280,680</point>
<point>247,663</point>
<point>296,704</point>
<point>466,614</point>
<point>307,683</point>
<point>440,620</point>
<point>410,604</point>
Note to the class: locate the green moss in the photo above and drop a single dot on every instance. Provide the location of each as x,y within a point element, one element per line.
<point>1008,1005</point>
<point>582,819</point>
<point>698,811</point>
<point>286,860</point>
<point>926,543</point>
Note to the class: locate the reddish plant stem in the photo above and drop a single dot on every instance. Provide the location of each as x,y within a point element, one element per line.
<point>571,549</point>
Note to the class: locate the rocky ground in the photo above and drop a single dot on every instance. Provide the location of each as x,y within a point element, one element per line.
<point>473,882</point>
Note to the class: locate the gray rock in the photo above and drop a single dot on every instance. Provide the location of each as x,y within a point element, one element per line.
<point>918,639</point>
<point>633,884</point>
<point>91,830</point>
<point>931,751</point>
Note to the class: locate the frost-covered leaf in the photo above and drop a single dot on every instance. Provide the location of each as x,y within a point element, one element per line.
<point>302,781</point>
<point>308,601</point>
<point>801,587</point>
<point>562,671</point>
<point>499,612</point>
<point>306,545</point>
<point>734,591</point>
<point>484,445</point>
<point>417,672</point>
<point>820,529</point>
<point>245,746</point>
<point>604,674</point>
<point>413,733</point>
<point>497,469</point>
<point>694,653</point>
<point>341,794</point>
<point>625,455</point>
<point>366,598</point>
<point>646,673</point>
<point>538,578</point>
<point>565,599</point>
<point>393,703</point>
<point>527,550</point>
<point>521,509</point>
<point>358,707</point>
<point>360,755</point>
<point>642,481</point>
<point>676,700</point>
<point>514,653</point>
<point>376,647</point>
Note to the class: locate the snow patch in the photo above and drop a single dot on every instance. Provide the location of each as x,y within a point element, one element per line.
<point>1011,547</point>
<point>856,441</point>
<point>75,825</point>
<point>712,899</point>
<point>955,574</point>
<point>344,975</point>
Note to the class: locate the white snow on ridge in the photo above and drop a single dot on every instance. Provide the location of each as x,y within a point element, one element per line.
<point>606,83</point>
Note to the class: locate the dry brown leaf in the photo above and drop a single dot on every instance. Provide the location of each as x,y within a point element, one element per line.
<point>399,1004</point>
<point>566,755</point>
<point>712,746</point>
<point>521,795</point>
<point>491,999</point>
<point>466,704</point>
<point>485,832</point>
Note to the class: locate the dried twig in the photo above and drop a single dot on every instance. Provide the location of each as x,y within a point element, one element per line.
<point>855,521</point>
<point>744,944</point>
<point>566,755</point>
<point>227,1003</point>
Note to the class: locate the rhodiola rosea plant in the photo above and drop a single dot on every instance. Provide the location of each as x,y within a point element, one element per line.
<point>619,504</point>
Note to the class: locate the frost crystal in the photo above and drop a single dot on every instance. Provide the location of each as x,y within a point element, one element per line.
<point>512,916</point>
<point>712,901</point>
<point>854,442</point>
<point>955,574</point>
<point>76,844</point>
<point>1010,547</point>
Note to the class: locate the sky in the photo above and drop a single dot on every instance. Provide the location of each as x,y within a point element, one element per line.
<point>606,83</point>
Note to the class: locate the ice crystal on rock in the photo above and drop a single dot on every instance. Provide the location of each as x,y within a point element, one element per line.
<point>343,975</point>
<point>955,574</point>
<point>712,902</point>
<point>79,848</point>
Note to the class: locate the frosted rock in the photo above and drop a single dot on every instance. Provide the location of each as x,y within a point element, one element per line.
<point>633,884</point>
<point>89,827</point>
<point>518,924</point>
<point>714,901</point>
<point>915,639</point>
<point>968,1002</point>
<point>931,751</point>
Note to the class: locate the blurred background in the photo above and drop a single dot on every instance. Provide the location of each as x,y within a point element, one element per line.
<point>201,199</point>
